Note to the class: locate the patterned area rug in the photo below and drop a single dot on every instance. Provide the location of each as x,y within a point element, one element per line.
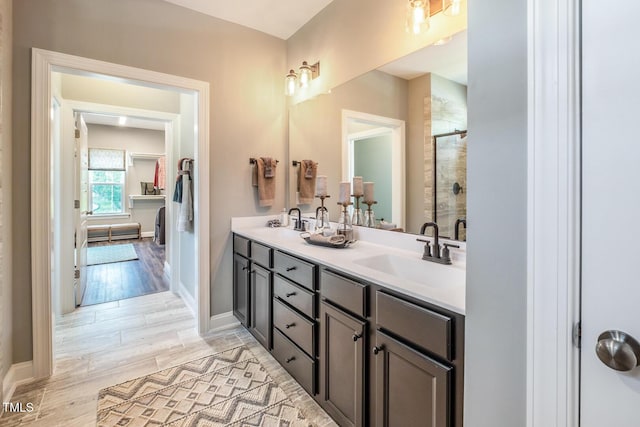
<point>230,388</point>
<point>110,253</point>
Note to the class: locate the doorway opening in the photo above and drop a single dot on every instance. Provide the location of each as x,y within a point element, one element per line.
<point>191,245</point>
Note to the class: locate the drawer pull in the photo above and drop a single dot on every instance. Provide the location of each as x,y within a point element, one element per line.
<point>291,359</point>
<point>290,294</point>
<point>292,268</point>
<point>377,350</point>
<point>289,325</point>
<point>245,268</point>
<point>356,337</point>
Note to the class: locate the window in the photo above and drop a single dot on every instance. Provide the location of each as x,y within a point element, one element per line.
<point>106,181</point>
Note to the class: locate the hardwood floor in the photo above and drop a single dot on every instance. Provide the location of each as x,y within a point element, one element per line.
<point>127,279</point>
<point>106,344</point>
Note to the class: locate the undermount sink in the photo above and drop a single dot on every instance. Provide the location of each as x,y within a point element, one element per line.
<point>415,270</point>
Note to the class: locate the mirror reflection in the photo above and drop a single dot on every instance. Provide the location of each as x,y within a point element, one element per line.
<point>418,178</point>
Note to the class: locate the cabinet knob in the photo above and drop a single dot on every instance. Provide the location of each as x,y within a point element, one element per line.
<point>290,294</point>
<point>291,359</point>
<point>356,336</point>
<point>292,268</point>
<point>289,325</point>
<point>377,350</point>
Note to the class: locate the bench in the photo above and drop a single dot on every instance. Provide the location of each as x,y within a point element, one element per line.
<point>108,233</point>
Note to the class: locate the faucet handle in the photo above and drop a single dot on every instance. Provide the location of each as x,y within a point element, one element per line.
<point>427,248</point>
<point>445,251</point>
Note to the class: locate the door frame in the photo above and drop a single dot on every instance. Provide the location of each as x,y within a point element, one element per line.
<point>398,143</point>
<point>172,136</point>
<point>553,212</point>
<point>43,63</point>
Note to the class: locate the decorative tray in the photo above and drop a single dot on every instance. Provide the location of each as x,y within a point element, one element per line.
<point>327,244</point>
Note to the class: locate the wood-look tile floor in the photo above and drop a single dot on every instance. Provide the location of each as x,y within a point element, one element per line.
<point>119,280</point>
<point>101,345</point>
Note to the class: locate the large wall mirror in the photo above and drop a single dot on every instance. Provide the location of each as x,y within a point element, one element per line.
<point>424,175</point>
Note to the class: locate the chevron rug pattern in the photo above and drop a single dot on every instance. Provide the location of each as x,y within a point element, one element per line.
<point>230,388</point>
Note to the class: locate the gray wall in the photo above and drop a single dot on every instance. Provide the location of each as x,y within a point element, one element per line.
<point>496,296</point>
<point>372,161</point>
<point>247,118</point>
<point>5,191</point>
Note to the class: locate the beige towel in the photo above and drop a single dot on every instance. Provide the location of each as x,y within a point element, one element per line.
<point>307,182</point>
<point>266,186</point>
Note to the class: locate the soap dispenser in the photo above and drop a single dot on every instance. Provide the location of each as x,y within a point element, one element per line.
<point>284,218</point>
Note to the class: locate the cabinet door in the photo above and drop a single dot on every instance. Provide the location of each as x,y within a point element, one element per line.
<point>241,289</point>
<point>260,291</point>
<point>411,388</point>
<point>342,365</point>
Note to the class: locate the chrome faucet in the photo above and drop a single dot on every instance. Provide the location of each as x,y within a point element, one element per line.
<point>435,255</point>
<point>297,224</point>
<point>459,221</point>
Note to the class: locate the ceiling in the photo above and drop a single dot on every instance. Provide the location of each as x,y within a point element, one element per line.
<point>280,18</point>
<point>448,60</point>
<point>132,122</point>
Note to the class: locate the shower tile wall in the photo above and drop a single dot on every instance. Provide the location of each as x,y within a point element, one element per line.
<point>445,111</point>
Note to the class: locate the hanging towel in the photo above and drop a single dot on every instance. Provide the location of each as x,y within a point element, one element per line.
<point>269,170</point>
<point>266,186</point>
<point>185,214</point>
<point>177,192</point>
<point>307,182</point>
<point>160,177</point>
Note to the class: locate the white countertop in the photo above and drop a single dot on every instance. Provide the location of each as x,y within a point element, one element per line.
<point>442,285</point>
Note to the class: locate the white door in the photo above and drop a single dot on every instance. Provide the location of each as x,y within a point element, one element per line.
<point>610,211</point>
<point>82,210</point>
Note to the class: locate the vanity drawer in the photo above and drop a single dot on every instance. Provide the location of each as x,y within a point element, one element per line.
<point>344,292</point>
<point>299,365</point>
<point>261,254</point>
<point>294,326</point>
<point>294,295</point>
<point>428,329</point>
<point>241,245</point>
<point>301,272</point>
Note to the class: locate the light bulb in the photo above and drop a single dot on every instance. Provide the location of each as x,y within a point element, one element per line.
<point>417,16</point>
<point>451,7</point>
<point>290,83</point>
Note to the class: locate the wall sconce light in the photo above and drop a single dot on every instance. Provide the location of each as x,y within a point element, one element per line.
<point>418,16</point>
<point>290,83</point>
<point>306,73</point>
<point>451,7</point>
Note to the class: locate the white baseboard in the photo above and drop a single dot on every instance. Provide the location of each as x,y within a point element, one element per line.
<point>188,299</point>
<point>222,321</point>
<point>147,234</point>
<point>18,374</point>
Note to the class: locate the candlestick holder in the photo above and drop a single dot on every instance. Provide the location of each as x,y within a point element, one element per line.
<point>357,218</point>
<point>369,215</point>
<point>322,215</point>
<point>344,222</point>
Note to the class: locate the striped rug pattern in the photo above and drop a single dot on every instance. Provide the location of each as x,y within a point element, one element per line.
<point>230,388</point>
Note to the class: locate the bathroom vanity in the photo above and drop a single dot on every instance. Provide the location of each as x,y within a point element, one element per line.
<point>372,332</point>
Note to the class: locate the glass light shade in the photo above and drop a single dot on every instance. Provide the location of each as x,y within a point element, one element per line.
<point>290,83</point>
<point>305,74</point>
<point>451,7</point>
<point>417,16</point>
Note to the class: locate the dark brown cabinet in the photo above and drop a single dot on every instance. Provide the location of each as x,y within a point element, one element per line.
<point>342,365</point>
<point>411,388</point>
<point>241,291</point>
<point>321,325</point>
<point>260,313</point>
